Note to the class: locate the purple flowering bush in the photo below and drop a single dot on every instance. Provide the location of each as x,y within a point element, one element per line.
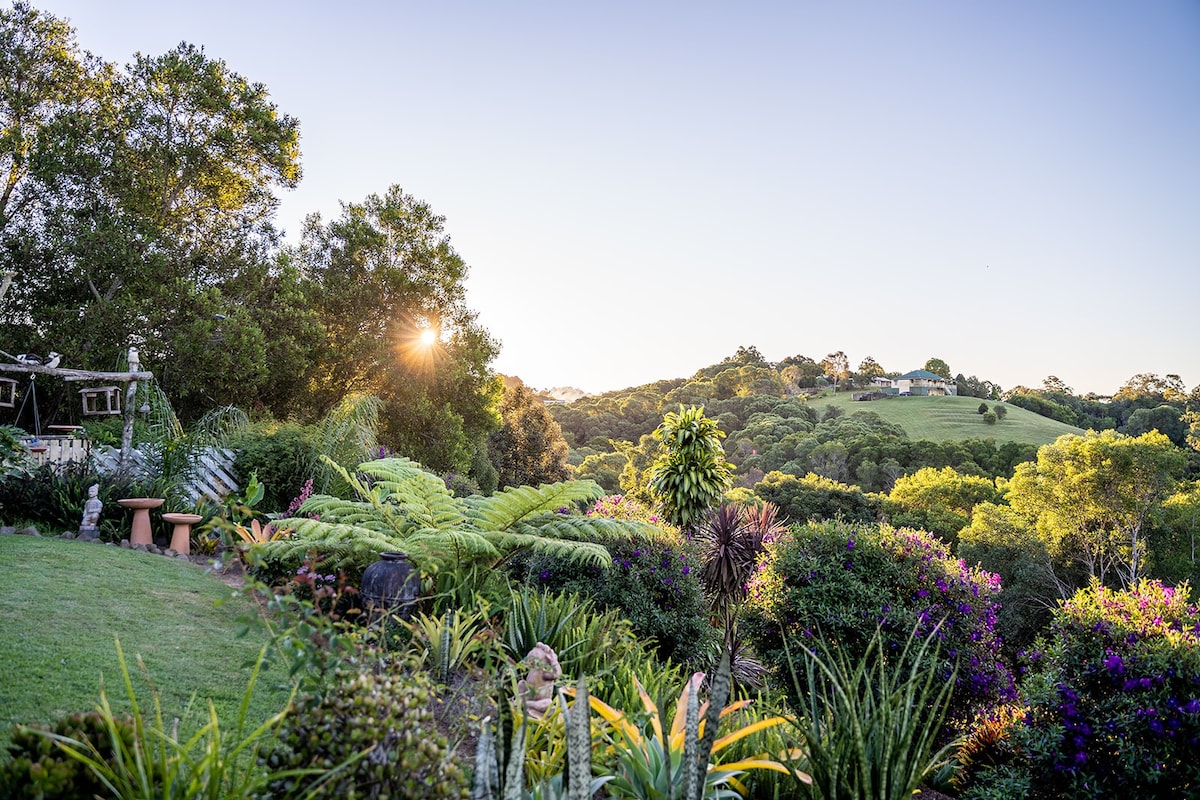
<point>655,585</point>
<point>841,582</point>
<point>1113,701</point>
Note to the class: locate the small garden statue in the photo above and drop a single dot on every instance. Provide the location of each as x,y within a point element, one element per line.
<point>537,689</point>
<point>89,528</point>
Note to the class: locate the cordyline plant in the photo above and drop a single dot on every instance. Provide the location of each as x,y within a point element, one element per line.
<point>400,507</point>
<point>691,473</point>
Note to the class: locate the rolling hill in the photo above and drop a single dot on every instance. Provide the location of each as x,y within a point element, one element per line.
<point>942,419</point>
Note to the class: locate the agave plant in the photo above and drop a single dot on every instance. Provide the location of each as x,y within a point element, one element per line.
<point>676,762</point>
<point>400,507</point>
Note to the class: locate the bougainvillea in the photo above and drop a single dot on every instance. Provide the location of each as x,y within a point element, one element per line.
<point>844,581</point>
<point>1113,699</point>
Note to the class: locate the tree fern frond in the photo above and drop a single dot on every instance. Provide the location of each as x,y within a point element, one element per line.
<point>421,495</point>
<point>517,503</point>
<point>593,529</point>
<point>584,553</point>
<point>453,547</point>
<point>339,544</point>
<point>350,512</point>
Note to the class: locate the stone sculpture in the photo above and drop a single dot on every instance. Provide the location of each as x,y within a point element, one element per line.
<point>537,689</point>
<point>89,527</point>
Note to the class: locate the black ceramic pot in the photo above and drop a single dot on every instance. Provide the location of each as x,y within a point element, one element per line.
<point>390,585</point>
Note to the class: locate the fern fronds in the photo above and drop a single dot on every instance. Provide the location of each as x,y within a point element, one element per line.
<point>515,504</point>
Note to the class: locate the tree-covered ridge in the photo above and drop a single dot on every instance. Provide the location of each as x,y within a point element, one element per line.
<point>786,416</point>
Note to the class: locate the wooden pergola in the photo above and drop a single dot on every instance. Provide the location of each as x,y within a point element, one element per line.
<point>130,378</point>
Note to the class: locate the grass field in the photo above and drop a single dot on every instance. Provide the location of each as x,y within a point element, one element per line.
<point>64,603</point>
<point>948,418</point>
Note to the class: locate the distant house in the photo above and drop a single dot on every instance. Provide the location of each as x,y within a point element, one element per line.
<point>922,383</point>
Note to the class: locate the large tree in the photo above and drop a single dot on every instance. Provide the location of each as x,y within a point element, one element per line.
<point>388,288</point>
<point>1090,499</point>
<point>138,211</point>
<point>528,448</point>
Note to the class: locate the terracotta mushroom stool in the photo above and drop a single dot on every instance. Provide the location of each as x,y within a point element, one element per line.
<point>141,518</point>
<point>181,536</point>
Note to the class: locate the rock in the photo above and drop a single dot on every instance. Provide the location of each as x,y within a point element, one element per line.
<point>125,543</point>
<point>141,547</point>
<point>30,531</point>
<point>169,553</point>
<point>66,535</point>
<point>8,529</point>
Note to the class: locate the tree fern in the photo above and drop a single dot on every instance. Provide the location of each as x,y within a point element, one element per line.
<point>402,508</point>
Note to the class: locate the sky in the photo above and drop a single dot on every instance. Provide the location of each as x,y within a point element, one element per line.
<point>639,188</point>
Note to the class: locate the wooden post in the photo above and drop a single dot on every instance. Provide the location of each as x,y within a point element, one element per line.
<point>127,428</point>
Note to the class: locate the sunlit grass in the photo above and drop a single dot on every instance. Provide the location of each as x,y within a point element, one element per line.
<point>63,604</point>
<point>941,419</point>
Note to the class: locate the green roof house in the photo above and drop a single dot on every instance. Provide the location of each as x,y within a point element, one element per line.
<point>923,383</point>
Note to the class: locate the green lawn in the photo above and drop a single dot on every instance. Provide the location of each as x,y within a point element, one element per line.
<point>949,418</point>
<point>62,605</point>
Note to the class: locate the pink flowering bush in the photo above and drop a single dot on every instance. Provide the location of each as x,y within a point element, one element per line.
<point>1113,701</point>
<point>841,582</point>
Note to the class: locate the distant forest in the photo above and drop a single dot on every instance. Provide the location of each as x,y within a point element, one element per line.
<point>778,418</point>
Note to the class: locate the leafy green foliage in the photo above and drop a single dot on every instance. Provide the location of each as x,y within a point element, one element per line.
<point>816,498</point>
<point>400,507</point>
<point>1091,497</point>
<point>380,725</point>
<point>938,500</point>
<point>587,641</point>
<point>283,456</point>
<point>528,447</point>
<point>841,582</point>
<point>38,768</point>
<point>691,473</point>
<point>871,723</point>
<point>653,582</point>
<point>1113,705</point>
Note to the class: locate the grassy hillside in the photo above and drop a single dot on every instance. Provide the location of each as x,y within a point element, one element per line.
<point>63,603</point>
<point>951,418</point>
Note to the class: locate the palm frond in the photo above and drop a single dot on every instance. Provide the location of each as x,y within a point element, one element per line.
<point>518,503</point>
<point>346,436</point>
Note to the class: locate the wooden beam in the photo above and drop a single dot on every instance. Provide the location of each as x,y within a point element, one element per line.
<point>77,374</point>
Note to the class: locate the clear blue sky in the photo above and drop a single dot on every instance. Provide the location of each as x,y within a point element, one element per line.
<point>639,188</point>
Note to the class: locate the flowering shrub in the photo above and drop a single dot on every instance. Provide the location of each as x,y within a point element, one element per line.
<point>655,585</point>
<point>1113,700</point>
<point>842,581</point>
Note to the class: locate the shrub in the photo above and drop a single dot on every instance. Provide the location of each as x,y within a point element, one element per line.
<point>654,584</point>
<point>38,768</point>
<point>1113,701</point>
<point>283,456</point>
<point>983,408</point>
<point>990,418</point>
<point>871,723</point>
<point>816,498</point>
<point>841,582</point>
<point>384,724</point>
